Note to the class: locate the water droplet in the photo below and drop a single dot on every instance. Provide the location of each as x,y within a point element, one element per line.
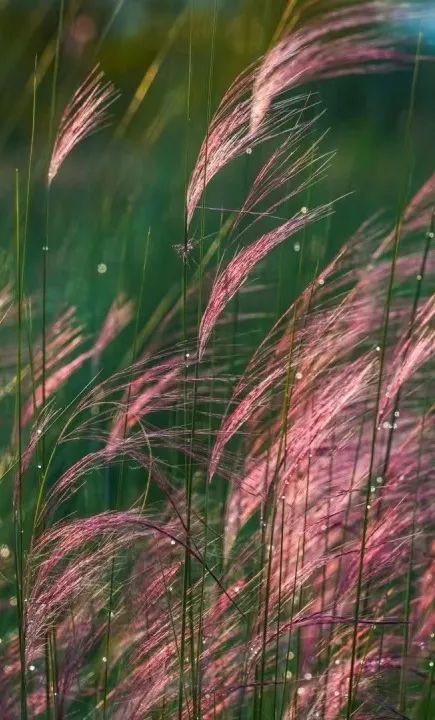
<point>431,664</point>
<point>431,235</point>
<point>304,210</point>
<point>45,248</point>
<point>172,542</point>
<point>321,281</point>
<point>298,376</point>
<point>301,690</point>
<point>32,668</point>
<point>289,674</point>
<point>419,278</point>
<point>101,268</point>
<point>368,506</point>
<point>296,247</point>
<point>13,601</point>
<point>4,552</point>
<point>39,466</point>
<point>337,662</point>
<point>397,413</point>
<point>308,676</point>
<point>379,480</point>
<point>378,348</point>
<point>104,659</point>
<point>249,151</point>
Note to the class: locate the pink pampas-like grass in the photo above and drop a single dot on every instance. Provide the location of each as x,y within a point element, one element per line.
<point>84,115</point>
<point>245,505</point>
<point>343,42</point>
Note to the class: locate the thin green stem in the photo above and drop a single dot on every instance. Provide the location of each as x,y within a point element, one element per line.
<point>387,310</point>
<point>18,499</point>
<point>187,464</point>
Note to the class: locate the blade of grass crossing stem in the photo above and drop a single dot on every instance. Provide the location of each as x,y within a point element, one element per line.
<point>396,243</point>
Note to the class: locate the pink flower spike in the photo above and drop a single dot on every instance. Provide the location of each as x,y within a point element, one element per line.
<point>238,269</point>
<point>85,114</point>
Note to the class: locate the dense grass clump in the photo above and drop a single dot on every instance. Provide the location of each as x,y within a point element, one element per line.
<point>225,508</point>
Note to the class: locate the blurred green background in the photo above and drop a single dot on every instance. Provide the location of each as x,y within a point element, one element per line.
<point>131,177</point>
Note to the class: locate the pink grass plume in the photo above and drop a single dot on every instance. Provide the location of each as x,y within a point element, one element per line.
<point>86,113</point>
